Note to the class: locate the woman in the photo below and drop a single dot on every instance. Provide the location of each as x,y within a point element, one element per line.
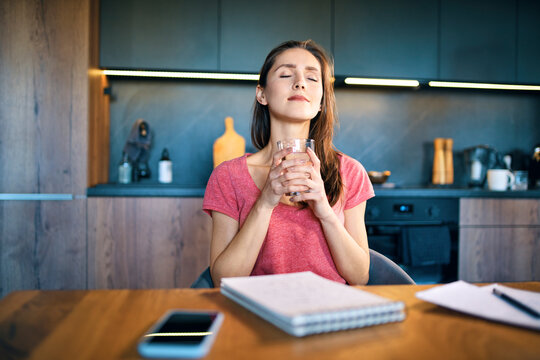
<point>257,228</point>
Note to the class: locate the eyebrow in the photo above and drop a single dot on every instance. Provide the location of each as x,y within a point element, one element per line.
<point>293,66</point>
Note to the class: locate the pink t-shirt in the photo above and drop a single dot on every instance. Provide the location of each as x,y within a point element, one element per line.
<point>295,240</point>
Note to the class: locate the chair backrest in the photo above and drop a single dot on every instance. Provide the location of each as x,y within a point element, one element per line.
<point>204,280</point>
<point>382,271</point>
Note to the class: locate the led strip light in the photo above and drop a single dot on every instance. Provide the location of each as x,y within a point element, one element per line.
<point>183,75</point>
<point>465,85</point>
<point>381,82</point>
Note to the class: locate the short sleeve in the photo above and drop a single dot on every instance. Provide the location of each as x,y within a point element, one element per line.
<point>358,187</point>
<point>220,195</point>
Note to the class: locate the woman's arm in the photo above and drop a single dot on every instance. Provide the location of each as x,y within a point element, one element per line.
<point>234,252</point>
<point>234,249</point>
<point>347,242</point>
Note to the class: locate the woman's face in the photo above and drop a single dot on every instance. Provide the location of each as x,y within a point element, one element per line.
<point>294,86</point>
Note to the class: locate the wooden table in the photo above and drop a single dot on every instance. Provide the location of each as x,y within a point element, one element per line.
<point>106,324</point>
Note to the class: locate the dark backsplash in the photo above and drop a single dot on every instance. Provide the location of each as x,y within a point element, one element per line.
<point>385,129</point>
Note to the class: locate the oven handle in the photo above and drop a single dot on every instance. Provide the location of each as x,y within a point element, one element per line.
<point>401,223</point>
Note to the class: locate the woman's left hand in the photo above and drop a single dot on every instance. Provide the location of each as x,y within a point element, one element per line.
<point>316,195</point>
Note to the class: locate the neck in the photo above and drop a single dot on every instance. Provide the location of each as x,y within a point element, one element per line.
<point>287,130</point>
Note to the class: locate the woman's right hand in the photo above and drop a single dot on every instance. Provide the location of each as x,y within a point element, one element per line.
<point>277,183</point>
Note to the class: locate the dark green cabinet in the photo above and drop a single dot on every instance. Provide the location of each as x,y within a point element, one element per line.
<point>386,38</point>
<point>159,34</point>
<point>456,40</point>
<point>478,40</point>
<point>528,47</point>
<point>250,29</point>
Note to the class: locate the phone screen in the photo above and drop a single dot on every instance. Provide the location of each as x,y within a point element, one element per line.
<point>183,328</point>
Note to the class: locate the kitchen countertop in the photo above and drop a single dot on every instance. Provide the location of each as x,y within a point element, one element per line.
<point>172,190</point>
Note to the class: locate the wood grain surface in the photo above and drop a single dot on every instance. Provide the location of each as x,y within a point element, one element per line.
<point>499,254</point>
<point>499,212</point>
<point>44,61</point>
<point>146,242</point>
<point>106,324</point>
<point>499,239</point>
<point>43,96</point>
<point>99,108</point>
<point>43,245</point>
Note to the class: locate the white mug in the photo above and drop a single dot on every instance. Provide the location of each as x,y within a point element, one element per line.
<point>500,179</point>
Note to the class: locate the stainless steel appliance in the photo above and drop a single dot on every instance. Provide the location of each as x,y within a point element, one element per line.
<point>420,234</point>
<point>478,160</point>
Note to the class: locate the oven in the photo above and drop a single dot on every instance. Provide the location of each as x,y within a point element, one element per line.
<point>420,234</point>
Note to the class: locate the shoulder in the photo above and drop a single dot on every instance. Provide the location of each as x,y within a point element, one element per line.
<point>350,166</point>
<point>356,183</point>
<point>230,166</point>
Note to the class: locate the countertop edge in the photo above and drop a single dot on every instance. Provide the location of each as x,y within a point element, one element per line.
<point>162,190</point>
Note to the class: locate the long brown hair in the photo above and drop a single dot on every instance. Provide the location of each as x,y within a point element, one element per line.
<point>321,127</point>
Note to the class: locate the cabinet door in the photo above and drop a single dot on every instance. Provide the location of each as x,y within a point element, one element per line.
<point>159,34</point>
<point>478,40</point>
<point>250,29</point>
<point>43,245</point>
<point>495,254</point>
<point>499,240</point>
<point>386,38</point>
<point>142,243</point>
<point>528,70</point>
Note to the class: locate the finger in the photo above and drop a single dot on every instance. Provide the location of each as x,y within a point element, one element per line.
<point>278,157</point>
<point>314,159</point>
<point>297,172</point>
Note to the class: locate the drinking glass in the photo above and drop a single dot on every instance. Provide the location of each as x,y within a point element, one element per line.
<point>299,147</point>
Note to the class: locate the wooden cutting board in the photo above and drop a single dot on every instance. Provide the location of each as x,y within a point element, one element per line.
<point>230,145</point>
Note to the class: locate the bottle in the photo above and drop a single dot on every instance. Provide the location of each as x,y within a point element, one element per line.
<point>125,170</point>
<point>438,177</point>
<point>448,161</point>
<point>165,168</point>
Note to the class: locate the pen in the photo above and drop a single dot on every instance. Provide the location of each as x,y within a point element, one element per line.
<point>516,303</point>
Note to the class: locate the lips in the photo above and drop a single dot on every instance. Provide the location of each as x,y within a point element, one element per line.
<point>298,98</point>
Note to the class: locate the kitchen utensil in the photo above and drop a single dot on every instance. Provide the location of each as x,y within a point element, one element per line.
<point>230,145</point>
<point>378,177</point>
<point>438,176</point>
<point>448,161</point>
<point>500,179</point>
<point>477,160</point>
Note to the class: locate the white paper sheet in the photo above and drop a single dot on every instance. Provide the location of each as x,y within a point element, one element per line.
<point>480,301</point>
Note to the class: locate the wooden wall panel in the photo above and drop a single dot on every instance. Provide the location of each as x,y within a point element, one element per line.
<point>515,212</point>
<point>43,96</point>
<point>146,242</point>
<point>99,110</point>
<point>44,60</point>
<point>499,254</point>
<point>43,245</point>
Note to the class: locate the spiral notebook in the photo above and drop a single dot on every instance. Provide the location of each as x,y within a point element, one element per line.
<point>305,303</point>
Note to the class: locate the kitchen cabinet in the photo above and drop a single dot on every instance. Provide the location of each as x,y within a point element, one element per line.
<point>528,46</point>
<point>159,34</point>
<point>386,38</point>
<point>43,143</point>
<point>478,40</point>
<point>499,240</point>
<point>146,242</point>
<point>250,29</point>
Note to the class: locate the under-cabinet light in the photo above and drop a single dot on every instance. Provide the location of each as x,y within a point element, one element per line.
<point>182,75</point>
<point>450,84</point>
<point>381,82</point>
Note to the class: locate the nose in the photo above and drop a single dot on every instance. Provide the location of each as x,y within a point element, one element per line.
<point>300,83</point>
